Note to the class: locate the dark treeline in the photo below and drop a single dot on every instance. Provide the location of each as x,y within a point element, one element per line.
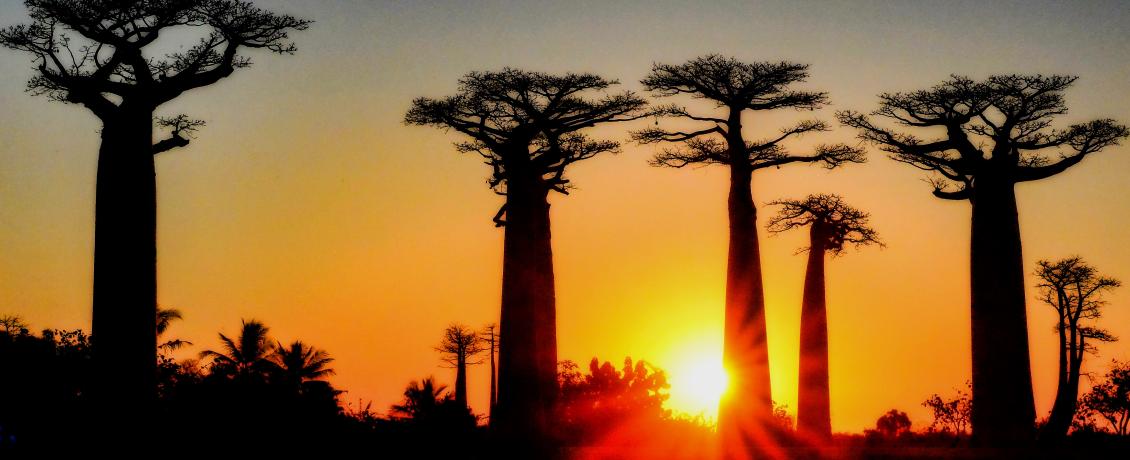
<point>977,139</point>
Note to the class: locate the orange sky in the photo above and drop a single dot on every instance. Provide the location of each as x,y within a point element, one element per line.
<point>307,204</point>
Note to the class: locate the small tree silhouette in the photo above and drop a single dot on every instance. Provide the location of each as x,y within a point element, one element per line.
<point>459,347</point>
<point>950,415</point>
<point>893,424</point>
<point>247,358</point>
<point>1075,290</point>
<point>526,126</point>
<point>165,317</point>
<point>997,133</point>
<point>832,225</point>
<point>298,364</point>
<point>1110,399</point>
<point>735,88</point>
<point>100,54</point>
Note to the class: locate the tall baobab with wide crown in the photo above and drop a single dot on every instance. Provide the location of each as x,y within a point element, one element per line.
<point>832,225</point>
<point>735,88</point>
<point>526,126</point>
<point>98,54</point>
<point>992,135</point>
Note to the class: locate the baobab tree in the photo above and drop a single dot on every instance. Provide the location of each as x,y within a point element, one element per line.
<point>994,134</point>
<point>833,225</point>
<point>98,54</point>
<point>458,349</point>
<point>735,88</point>
<point>1075,290</point>
<point>525,125</point>
<point>490,338</point>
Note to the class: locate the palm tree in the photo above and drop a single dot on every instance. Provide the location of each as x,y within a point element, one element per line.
<point>421,399</point>
<point>249,357</point>
<point>165,316</point>
<point>299,363</point>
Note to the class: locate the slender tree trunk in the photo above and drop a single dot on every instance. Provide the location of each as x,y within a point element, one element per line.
<point>493,376</point>
<point>461,382</point>
<point>1003,407</point>
<point>527,383</point>
<point>747,410</point>
<point>1056,428</point>
<point>814,419</point>
<point>124,318</point>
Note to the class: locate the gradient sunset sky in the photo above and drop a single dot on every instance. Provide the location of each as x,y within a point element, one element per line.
<point>307,204</point>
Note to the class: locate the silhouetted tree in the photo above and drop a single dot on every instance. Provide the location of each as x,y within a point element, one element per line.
<point>44,385</point>
<point>165,316</point>
<point>951,415</point>
<point>1074,289</point>
<point>459,347</point>
<point>99,54</point>
<point>734,88</point>
<point>420,399</point>
<point>594,404</point>
<point>893,424</point>
<point>526,126</point>
<point>994,134</point>
<point>490,338</point>
<point>299,364</point>
<point>1110,399</point>
<point>832,225</point>
<point>248,358</point>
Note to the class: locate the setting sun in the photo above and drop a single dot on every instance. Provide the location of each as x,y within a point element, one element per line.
<point>698,382</point>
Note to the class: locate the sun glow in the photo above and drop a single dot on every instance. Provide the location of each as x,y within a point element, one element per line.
<point>698,381</point>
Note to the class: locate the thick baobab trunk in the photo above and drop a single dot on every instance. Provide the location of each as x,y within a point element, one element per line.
<point>527,381</point>
<point>461,382</point>
<point>747,409</point>
<point>814,419</point>
<point>1003,407</point>
<point>125,267</point>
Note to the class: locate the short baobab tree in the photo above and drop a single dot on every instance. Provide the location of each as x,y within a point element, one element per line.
<point>993,134</point>
<point>735,88</point>
<point>102,55</point>
<point>832,226</point>
<point>1075,290</point>
<point>526,126</point>
<point>459,348</point>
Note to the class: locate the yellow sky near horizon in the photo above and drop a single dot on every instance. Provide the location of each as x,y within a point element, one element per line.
<point>307,204</point>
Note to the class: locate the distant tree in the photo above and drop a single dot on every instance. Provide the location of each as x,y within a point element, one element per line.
<point>950,415</point>
<point>299,364</point>
<point>893,424</point>
<point>12,325</point>
<point>526,125</point>
<point>165,317</point>
<point>248,358</point>
<point>832,225</point>
<point>735,88</point>
<point>490,338</point>
<point>1110,399</point>
<point>458,349</point>
<point>782,420</point>
<point>431,411</point>
<point>594,404</point>
<point>1075,290</point>
<point>101,54</point>
<point>997,133</point>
